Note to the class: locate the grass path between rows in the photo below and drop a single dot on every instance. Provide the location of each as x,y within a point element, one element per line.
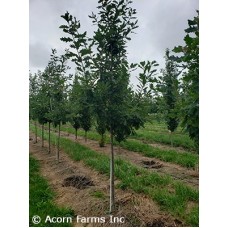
<point>172,196</point>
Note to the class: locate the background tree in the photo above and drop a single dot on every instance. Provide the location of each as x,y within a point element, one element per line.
<point>81,54</point>
<point>74,104</point>
<point>190,62</point>
<point>169,87</point>
<point>58,92</point>
<point>42,103</point>
<point>48,84</point>
<point>33,91</point>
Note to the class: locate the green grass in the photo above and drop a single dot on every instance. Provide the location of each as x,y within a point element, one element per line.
<point>188,160</point>
<point>98,194</point>
<point>159,187</point>
<point>184,159</point>
<point>41,198</point>
<point>93,135</point>
<point>157,132</point>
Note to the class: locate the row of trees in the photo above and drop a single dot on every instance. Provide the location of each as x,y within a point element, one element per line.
<point>100,93</point>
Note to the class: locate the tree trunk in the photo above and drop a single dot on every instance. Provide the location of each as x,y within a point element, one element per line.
<point>171,138</point>
<point>102,141</point>
<point>85,136</point>
<point>42,135</point>
<point>49,137</point>
<point>112,194</point>
<point>35,132</point>
<point>76,134</point>
<point>58,143</point>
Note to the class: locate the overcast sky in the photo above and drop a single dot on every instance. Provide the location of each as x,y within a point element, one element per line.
<point>161,25</point>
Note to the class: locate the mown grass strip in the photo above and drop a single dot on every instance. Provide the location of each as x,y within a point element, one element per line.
<point>188,160</point>
<point>41,199</point>
<point>161,137</point>
<point>135,178</point>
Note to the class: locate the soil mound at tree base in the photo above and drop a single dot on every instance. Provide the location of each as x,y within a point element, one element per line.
<point>151,164</point>
<point>80,182</point>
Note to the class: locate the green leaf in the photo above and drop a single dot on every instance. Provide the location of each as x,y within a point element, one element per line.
<point>188,39</point>
<point>63,27</point>
<point>66,39</point>
<point>85,52</point>
<point>178,49</point>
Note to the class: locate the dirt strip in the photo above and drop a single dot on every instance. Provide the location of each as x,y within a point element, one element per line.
<point>93,199</point>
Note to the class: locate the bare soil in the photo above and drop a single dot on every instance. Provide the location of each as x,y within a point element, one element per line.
<point>80,182</point>
<point>187,175</point>
<point>137,209</point>
<point>152,164</point>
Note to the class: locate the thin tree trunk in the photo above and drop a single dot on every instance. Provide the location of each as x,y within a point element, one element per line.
<point>42,135</point>
<point>35,132</point>
<point>171,138</point>
<point>85,136</point>
<point>112,193</point>
<point>76,134</point>
<point>49,137</point>
<point>58,144</point>
<point>102,140</point>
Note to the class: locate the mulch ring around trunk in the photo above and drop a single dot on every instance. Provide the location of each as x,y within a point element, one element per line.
<point>80,182</point>
<point>151,164</point>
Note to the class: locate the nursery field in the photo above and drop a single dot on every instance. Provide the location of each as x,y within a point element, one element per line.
<point>156,183</point>
<point>114,132</point>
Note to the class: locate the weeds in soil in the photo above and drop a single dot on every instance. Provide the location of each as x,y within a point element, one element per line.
<point>98,194</point>
<point>41,199</point>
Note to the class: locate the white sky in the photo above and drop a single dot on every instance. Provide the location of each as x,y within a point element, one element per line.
<point>161,26</point>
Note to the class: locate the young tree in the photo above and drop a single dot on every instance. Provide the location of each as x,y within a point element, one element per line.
<point>100,111</point>
<point>190,62</point>
<point>81,54</point>
<point>74,105</point>
<point>169,87</point>
<point>58,93</point>
<point>47,84</point>
<point>33,91</point>
<point>115,21</point>
<point>106,70</point>
<point>42,103</point>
